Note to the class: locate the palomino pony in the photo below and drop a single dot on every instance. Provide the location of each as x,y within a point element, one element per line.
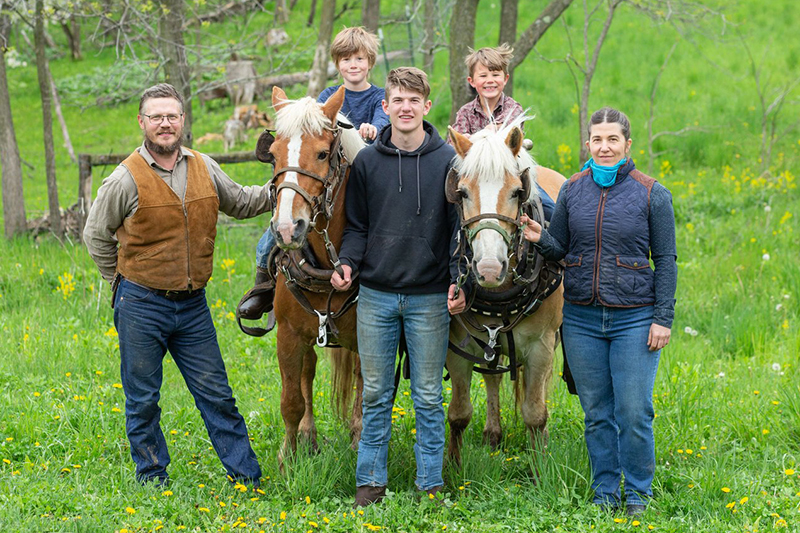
<point>311,150</point>
<point>493,182</point>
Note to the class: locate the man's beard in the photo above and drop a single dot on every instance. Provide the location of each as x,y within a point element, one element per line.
<point>162,150</point>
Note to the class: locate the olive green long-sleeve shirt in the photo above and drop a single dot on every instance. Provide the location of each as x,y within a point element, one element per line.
<point>118,198</point>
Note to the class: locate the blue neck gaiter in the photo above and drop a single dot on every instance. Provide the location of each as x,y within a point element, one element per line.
<point>604,176</point>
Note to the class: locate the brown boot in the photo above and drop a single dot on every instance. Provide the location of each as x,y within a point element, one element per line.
<point>367,495</point>
<point>258,304</point>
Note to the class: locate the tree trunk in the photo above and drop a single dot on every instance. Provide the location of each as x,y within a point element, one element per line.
<point>176,67</point>
<point>371,14</point>
<point>319,70</point>
<point>312,12</point>
<point>43,73</point>
<point>462,38</point>
<point>72,29</point>
<point>429,40</point>
<point>508,32</point>
<point>13,198</point>
<point>281,12</point>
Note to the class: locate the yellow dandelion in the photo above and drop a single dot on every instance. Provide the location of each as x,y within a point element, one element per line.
<point>167,493</point>
<point>789,472</point>
<point>204,509</point>
<point>308,500</point>
<point>619,520</point>
<point>283,515</point>
<point>743,500</point>
<point>780,523</point>
<point>731,505</point>
<point>725,490</point>
<point>636,523</point>
<point>765,432</point>
<point>6,461</point>
<point>130,510</point>
<point>313,524</point>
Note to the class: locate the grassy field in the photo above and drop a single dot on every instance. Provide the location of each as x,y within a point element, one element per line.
<point>727,391</point>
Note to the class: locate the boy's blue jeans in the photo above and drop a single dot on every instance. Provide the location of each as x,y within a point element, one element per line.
<point>615,372</point>
<point>425,320</point>
<point>148,325</point>
<point>265,245</point>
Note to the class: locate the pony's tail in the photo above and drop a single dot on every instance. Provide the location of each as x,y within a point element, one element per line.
<point>343,379</point>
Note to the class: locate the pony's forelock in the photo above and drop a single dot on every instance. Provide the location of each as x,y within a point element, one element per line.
<point>305,116</point>
<point>490,158</point>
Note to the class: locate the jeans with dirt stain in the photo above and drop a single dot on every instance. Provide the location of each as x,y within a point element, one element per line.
<point>149,325</point>
<point>425,320</point>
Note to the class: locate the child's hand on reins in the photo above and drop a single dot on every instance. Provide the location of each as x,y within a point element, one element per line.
<point>531,230</point>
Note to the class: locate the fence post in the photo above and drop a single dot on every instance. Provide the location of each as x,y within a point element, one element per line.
<point>84,190</point>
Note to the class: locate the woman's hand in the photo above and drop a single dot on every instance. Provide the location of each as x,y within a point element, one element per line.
<point>531,230</point>
<point>658,338</point>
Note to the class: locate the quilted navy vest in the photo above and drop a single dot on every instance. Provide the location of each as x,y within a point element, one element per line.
<point>609,248</point>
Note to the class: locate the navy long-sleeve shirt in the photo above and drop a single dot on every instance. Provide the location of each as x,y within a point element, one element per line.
<point>360,106</point>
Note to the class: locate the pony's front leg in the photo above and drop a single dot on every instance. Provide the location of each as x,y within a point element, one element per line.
<point>459,413</point>
<point>307,427</point>
<point>290,350</point>
<point>493,430</point>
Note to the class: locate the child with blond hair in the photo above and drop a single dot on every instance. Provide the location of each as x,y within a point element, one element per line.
<point>488,75</point>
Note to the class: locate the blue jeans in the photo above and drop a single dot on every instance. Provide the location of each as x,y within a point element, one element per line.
<point>426,322</point>
<point>148,326</point>
<point>614,373</point>
<point>265,245</point>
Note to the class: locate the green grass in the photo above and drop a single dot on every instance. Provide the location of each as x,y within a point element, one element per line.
<point>727,396</point>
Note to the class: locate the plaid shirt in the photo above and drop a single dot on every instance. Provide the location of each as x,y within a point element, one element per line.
<point>471,118</point>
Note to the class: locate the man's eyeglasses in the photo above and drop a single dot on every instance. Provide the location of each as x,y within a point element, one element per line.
<point>158,119</point>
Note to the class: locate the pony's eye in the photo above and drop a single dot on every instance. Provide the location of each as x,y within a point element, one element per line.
<point>322,156</point>
<point>519,193</point>
<point>463,193</point>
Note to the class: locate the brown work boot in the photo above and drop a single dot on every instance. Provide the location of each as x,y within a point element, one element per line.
<point>367,495</point>
<point>258,304</point>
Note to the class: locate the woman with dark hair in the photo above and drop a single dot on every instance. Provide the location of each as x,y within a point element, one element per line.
<point>609,221</point>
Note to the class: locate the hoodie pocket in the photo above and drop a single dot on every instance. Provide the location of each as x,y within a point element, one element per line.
<point>400,260</point>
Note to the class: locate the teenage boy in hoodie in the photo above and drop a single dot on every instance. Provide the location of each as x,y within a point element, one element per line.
<point>400,237</point>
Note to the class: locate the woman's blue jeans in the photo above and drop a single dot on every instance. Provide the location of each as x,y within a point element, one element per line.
<point>148,326</point>
<point>426,322</point>
<point>614,373</point>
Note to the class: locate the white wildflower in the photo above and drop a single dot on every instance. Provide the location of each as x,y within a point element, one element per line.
<point>767,208</point>
<point>779,307</point>
<point>776,367</point>
<point>765,257</point>
<point>721,375</point>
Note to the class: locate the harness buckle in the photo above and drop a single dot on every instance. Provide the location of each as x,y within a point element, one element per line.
<point>322,332</point>
<point>492,341</point>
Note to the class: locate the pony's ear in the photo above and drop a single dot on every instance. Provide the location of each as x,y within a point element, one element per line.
<point>451,187</point>
<point>279,98</point>
<point>263,154</point>
<point>460,142</point>
<point>514,140</point>
<point>333,104</point>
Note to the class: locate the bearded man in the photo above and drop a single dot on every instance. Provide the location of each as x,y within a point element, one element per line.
<point>151,232</point>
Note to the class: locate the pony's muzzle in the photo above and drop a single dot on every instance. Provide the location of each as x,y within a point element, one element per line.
<point>490,272</point>
<point>290,235</point>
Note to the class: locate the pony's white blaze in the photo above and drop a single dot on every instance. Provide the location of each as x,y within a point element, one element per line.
<point>285,223</point>
<point>488,248</point>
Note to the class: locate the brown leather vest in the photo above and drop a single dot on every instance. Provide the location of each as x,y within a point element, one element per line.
<point>169,244</point>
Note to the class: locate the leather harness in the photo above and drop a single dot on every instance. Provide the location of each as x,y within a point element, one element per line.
<point>533,278</point>
<point>300,268</point>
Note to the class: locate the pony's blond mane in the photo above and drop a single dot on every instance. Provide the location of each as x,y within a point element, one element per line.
<point>305,116</point>
<point>490,159</point>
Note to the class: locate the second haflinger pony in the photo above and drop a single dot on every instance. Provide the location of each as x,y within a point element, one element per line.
<point>515,308</point>
<point>311,151</point>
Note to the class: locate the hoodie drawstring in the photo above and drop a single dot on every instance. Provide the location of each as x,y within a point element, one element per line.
<point>399,170</point>
<point>419,200</point>
<point>400,179</point>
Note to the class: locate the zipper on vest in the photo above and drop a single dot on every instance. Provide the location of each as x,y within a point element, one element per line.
<point>598,237</point>
<point>186,232</point>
